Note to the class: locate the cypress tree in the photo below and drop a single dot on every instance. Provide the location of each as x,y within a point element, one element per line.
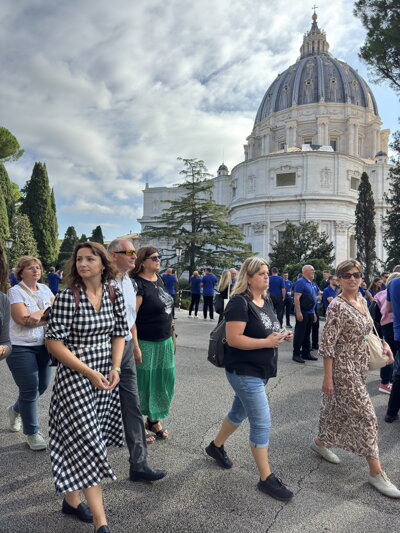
<point>391,232</point>
<point>365,228</point>
<point>7,190</point>
<point>83,238</point>
<point>4,227</point>
<point>37,204</point>
<point>67,246</point>
<point>23,240</point>
<point>97,235</point>
<point>54,225</point>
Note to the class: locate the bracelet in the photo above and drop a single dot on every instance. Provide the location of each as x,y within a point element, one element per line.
<point>117,369</point>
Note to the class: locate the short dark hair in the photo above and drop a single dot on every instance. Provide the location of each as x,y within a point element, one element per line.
<point>274,270</point>
<point>208,269</point>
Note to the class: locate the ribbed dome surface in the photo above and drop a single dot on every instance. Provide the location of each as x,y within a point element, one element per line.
<point>315,78</point>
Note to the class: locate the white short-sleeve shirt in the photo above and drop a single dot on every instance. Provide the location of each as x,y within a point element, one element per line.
<point>41,299</point>
<point>126,286</point>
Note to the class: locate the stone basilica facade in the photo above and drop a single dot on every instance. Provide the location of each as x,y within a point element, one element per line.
<point>316,131</point>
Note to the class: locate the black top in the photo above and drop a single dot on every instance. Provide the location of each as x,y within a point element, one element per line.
<point>154,318</point>
<point>261,322</point>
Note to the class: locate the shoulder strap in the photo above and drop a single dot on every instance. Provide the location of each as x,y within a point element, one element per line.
<point>77,297</point>
<point>111,293</point>
<point>39,303</point>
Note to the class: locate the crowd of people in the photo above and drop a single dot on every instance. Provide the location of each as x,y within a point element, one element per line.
<point>110,336</point>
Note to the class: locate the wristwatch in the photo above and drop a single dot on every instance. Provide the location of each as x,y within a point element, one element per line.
<point>117,369</point>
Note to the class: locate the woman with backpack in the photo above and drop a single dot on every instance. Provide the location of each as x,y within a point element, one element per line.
<point>253,336</point>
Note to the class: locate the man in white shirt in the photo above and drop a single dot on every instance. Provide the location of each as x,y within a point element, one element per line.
<point>122,253</point>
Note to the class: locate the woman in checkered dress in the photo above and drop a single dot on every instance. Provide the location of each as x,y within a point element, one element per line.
<point>86,335</point>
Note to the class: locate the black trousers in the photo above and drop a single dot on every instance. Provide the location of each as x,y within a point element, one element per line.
<point>278,307</point>
<point>287,308</point>
<point>194,303</point>
<point>315,334</point>
<point>394,398</point>
<point>208,303</point>
<point>301,339</point>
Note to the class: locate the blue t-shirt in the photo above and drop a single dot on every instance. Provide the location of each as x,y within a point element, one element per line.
<point>362,291</point>
<point>393,296</point>
<point>195,284</point>
<point>276,284</point>
<point>288,286</point>
<point>169,281</point>
<point>209,280</point>
<point>328,293</point>
<point>13,279</point>
<point>303,286</point>
<point>53,280</point>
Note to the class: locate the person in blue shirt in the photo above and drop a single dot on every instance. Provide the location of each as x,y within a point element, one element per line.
<point>12,278</point>
<point>393,305</point>
<point>277,293</point>
<point>315,324</point>
<point>208,283</point>
<point>53,279</point>
<point>330,292</point>
<point>305,301</point>
<point>195,291</point>
<point>384,277</point>
<point>288,297</point>
<point>169,282</point>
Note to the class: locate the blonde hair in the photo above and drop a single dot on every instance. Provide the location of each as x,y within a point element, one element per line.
<point>25,261</point>
<point>226,279</point>
<point>347,265</point>
<point>250,267</point>
<point>392,276</point>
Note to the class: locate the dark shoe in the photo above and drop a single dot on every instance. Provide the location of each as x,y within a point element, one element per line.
<point>146,473</point>
<point>298,359</point>
<point>289,326</point>
<point>82,511</point>
<point>315,347</point>
<point>389,419</point>
<point>102,529</point>
<point>310,357</point>
<point>219,454</point>
<point>274,487</point>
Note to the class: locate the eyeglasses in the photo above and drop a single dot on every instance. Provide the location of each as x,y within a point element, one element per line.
<point>155,258</point>
<point>126,252</point>
<point>348,275</point>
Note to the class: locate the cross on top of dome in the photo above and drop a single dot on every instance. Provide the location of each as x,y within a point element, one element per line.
<point>314,41</point>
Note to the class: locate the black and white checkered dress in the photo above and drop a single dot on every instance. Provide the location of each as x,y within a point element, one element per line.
<point>83,419</point>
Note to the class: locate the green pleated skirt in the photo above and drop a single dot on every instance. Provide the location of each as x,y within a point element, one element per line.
<point>156,378</point>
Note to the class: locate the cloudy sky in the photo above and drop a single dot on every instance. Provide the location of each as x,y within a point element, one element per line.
<point>109,94</point>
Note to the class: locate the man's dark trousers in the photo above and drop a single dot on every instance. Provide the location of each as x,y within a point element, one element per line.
<point>278,307</point>
<point>301,339</point>
<point>135,434</point>
<point>315,334</point>
<point>208,303</point>
<point>287,307</point>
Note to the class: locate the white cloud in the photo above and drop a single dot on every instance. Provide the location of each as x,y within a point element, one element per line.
<point>108,95</point>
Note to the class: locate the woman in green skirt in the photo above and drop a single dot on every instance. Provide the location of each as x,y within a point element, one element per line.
<point>156,371</point>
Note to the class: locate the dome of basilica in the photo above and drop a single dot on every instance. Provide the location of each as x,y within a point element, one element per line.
<point>316,77</point>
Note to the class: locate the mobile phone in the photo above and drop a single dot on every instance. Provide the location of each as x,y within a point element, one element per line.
<point>283,331</point>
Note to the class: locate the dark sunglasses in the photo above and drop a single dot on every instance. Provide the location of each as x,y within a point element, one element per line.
<point>126,252</point>
<point>355,275</point>
<point>155,258</point>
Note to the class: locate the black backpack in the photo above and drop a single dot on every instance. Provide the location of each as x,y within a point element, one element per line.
<point>217,345</point>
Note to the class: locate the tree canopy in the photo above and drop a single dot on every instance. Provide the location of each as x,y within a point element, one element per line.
<point>10,149</point>
<point>23,240</point>
<point>67,246</point>
<point>299,244</point>
<point>97,235</point>
<point>365,230</point>
<point>391,233</point>
<point>381,51</point>
<point>197,225</point>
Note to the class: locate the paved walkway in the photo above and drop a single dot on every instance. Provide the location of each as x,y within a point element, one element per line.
<point>197,496</point>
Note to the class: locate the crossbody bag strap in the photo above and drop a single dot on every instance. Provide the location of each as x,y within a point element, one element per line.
<point>38,301</point>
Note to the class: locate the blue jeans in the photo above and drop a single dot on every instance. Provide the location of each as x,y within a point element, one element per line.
<point>30,368</point>
<point>250,402</point>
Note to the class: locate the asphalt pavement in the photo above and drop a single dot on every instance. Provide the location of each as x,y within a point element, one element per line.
<point>197,496</point>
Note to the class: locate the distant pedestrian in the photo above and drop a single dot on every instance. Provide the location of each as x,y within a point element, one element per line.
<point>347,418</point>
<point>277,293</point>
<point>12,278</point>
<point>208,283</point>
<point>325,279</point>
<point>224,289</point>
<point>288,302</point>
<point>252,331</point>
<point>170,281</point>
<point>233,272</point>
<point>53,278</point>
<point>393,305</point>
<point>315,324</point>
<point>305,301</point>
<point>195,292</point>
<point>330,292</point>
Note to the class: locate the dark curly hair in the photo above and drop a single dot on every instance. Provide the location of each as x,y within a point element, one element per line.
<point>73,279</point>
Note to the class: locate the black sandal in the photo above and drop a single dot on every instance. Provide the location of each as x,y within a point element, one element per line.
<point>161,433</point>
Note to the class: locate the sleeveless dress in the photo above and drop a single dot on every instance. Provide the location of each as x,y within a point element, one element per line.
<point>84,420</point>
<point>347,418</point>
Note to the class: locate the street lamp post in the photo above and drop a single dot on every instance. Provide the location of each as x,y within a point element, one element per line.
<point>178,253</point>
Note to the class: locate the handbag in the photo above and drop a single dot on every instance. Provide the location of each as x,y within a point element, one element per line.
<point>377,359</point>
<point>220,303</point>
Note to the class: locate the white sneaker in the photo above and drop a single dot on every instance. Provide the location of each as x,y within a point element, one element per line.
<point>15,419</point>
<point>190,316</point>
<point>325,453</point>
<point>36,442</point>
<point>382,484</point>
<point>195,316</point>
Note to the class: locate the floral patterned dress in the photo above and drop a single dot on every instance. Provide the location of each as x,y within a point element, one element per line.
<point>347,418</point>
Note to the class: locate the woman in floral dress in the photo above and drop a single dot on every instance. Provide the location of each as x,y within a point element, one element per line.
<point>347,418</point>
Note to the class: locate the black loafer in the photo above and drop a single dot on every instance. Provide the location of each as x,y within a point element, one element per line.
<point>102,529</point>
<point>310,357</point>
<point>298,359</point>
<point>390,419</point>
<point>82,511</point>
<point>146,473</point>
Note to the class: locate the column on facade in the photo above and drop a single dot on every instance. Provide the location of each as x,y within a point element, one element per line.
<point>266,140</point>
<point>351,137</point>
<point>355,137</point>
<point>291,132</point>
<point>341,241</point>
<point>323,129</point>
